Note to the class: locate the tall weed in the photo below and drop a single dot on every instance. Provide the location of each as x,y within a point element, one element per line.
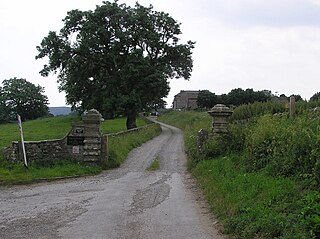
<point>256,176</point>
<point>248,111</point>
<point>285,146</point>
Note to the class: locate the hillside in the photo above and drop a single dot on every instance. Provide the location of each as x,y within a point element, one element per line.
<point>63,110</point>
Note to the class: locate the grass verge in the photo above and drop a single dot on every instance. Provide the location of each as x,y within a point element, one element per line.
<point>121,145</point>
<point>252,205</point>
<point>56,169</point>
<point>154,166</point>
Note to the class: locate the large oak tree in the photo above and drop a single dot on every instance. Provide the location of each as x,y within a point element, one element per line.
<point>116,58</point>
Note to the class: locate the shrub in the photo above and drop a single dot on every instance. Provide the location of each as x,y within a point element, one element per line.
<point>311,213</point>
<point>286,147</point>
<point>224,144</point>
<point>245,112</point>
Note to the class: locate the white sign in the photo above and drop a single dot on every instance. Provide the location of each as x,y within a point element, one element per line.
<point>75,149</point>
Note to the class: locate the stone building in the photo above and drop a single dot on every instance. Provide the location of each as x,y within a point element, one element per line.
<point>185,100</point>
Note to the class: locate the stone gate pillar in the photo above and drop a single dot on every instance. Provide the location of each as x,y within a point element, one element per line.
<point>93,138</point>
<point>220,114</point>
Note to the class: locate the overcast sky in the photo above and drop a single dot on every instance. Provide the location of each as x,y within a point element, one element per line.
<point>259,44</point>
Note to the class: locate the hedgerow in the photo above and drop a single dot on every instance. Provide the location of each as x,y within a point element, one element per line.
<point>246,173</point>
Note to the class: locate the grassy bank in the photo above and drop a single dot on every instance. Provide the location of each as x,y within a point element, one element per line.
<point>57,127</point>
<point>261,179</point>
<point>121,145</point>
<point>252,205</point>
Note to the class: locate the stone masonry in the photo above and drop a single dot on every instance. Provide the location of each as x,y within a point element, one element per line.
<point>84,142</point>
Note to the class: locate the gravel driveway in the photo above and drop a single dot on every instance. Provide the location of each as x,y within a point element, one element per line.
<point>128,202</point>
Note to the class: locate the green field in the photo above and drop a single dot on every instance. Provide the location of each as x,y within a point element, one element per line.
<point>40,129</point>
<point>53,128</point>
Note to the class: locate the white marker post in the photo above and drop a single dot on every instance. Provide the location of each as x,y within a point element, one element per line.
<point>22,142</point>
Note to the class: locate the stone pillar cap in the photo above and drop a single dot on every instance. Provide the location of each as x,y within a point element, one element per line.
<point>92,116</point>
<point>220,108</point>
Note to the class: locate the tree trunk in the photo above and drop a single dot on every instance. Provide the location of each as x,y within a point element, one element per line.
<point>131,119</point>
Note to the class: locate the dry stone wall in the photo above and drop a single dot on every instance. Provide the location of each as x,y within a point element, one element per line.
<point>85,142</point>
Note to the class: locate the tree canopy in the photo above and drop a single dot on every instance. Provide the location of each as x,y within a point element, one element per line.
<point>236,97</point>
<point>18,96</point>
<point>239,96</point>
<point>315,97</point>
<point>116,58</point>
<point>207,99</point>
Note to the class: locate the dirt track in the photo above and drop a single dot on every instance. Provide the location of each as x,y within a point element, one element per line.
<point>128,202</point>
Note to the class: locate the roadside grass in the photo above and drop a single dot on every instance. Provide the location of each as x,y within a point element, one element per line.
<point>58,127</point>
<point>252,203</point>
<point>18,174</point>
<point>121,145</point>
<point>190,122</point>
<point>154,166</point>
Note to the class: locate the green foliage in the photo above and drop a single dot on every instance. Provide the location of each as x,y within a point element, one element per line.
<point>251,205</point>
<point>118,124</point>
<point>315,97</point>
<point>18,96</point>
<point>247,111</point>
<point>286,147</point>
<point>311,213</point>
<point>207,99</point>
<point>283,146</point>
<point>221,145</point>
<point>303,107</point>
<point>258,173</point>
<point>235,97</point>
<point>239,96</point>
<point>116,59</point>
<point>121,145</point>
<point>4,110</point>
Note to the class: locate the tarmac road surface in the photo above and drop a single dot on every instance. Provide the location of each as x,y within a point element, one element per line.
<point>128,202</point>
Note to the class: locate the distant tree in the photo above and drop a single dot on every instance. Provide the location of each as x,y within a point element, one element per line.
<point>315,97</point>
<point>207,99</point>
<point>297,98</point>
<point>23,97</point>
<point>116,58</point>
<point>239,96</point>
<point>223,99</point>
<point>156,105</point>
<point>4,110</point>
<point>261,96</point>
